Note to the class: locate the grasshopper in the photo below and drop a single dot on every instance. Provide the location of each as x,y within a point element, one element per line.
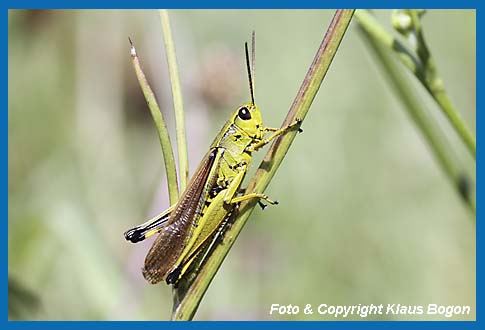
<point>211,197</point>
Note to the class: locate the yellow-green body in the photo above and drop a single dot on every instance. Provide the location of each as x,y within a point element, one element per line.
<point>211,197</point>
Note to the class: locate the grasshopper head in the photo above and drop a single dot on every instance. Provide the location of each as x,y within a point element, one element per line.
<point>248,118</point>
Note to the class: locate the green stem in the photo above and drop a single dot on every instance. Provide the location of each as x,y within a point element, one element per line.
<point>434,84</point>
<point>162,131</point>
<point>423,68</point>
<point>441,97</point>
<point>190,299</point>
<point>373,28</point>
<point>431,132</point>
<point>177,99</point>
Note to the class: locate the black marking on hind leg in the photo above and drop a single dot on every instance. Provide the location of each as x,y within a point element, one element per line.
<point>214,191</point>
<point>134,235</point>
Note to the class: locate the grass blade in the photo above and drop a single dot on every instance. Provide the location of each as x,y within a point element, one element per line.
<point>178,103</point>
<point>162,131</point>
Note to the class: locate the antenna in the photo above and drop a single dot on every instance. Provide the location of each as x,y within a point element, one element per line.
<point>249,72</point>
<point>253,59</point>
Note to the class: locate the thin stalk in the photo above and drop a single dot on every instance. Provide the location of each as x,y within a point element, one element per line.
<point>189,299</point>
<point>373,28</point>
<point>178,103</point>
<point>434,85</point>
<point>162,131</point>
<point>423,67</point>
<point>442,98</point>
<point>435,138</point>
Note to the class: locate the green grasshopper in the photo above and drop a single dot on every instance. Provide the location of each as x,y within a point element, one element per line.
<point>211,197</point>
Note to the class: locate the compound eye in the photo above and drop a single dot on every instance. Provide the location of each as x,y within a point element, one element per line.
<point>244,113</point>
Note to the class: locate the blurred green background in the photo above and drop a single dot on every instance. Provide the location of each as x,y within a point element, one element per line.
<point>365,215</point>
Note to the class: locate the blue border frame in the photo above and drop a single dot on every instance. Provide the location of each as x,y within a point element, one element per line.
<point>78,4</point>
<point>238,4</point>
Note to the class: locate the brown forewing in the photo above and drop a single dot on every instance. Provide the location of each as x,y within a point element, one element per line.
<point>173,238</point>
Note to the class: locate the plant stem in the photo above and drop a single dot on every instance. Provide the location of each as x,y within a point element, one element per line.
<point>190,298</point>
<point>423,67</point>
<point>434,84</point>
<point>177,99</point>
<point>433,135</point>
<point>374,29</point>
<point>441,97</point>
<point>162,131</point>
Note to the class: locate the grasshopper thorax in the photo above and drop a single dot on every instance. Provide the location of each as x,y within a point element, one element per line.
<point>248,118</point>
